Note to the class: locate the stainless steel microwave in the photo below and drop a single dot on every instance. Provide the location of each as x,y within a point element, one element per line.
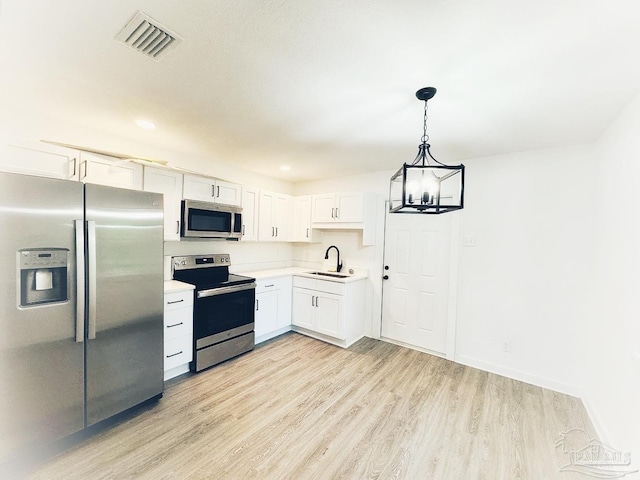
<point>210,220</point>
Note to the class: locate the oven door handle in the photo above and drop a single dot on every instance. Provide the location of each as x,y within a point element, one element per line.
<point>222,290</point>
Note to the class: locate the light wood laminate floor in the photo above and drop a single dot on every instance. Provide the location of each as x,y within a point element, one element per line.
<point>298,408</point>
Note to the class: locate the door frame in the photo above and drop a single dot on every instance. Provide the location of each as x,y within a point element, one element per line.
<point>452,300</point>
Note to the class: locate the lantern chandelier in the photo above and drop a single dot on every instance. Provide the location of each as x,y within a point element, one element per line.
<point>426,185</point>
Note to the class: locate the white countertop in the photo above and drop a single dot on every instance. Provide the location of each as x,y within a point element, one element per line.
<point>306,272</point>
<point>176,286</point>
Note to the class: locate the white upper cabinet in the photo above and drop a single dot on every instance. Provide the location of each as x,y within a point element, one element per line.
<point>323,208</point>
<point>349,207</point>
<point>113,172</point>
<point>169,183</point>
<point>346,211</point>
<point>208,189</point>
<point>42,159</point>
<point>302,231</point>
<point>273,217</point>
<point>338,208</point>
<point>228,193</point>
<point>250,197</point>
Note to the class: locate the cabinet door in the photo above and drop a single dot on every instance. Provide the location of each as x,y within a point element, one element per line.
<point>198,188</point>
<point>113,172</point>
<point>228,193</point>
<point>249,214</point>
<point>281,215</point>
<point>169,183</point>
<point>266,228</point>
<point>284,302</point>
<point>323,209</point>
<point>301,219</point>
<point>266,319</point>
<point>329,314</point>
<point>303,308</point>
<point>349,207</point>
<point>36,158</point>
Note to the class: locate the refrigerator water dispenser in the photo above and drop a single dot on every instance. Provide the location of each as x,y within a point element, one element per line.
<point>43,276</point>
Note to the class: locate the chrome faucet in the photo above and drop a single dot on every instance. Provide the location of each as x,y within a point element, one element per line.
<point>338,263</point>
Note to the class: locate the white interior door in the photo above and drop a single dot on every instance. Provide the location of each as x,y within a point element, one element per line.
<point>416,294</point>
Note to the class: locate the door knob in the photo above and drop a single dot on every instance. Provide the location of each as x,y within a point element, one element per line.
<point>386,277</point>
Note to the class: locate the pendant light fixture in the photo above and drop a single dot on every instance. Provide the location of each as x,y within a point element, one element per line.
<point>426,185</point>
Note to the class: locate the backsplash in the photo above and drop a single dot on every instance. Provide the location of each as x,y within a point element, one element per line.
<point>245,256</point>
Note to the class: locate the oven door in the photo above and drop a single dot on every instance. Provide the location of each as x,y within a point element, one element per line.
<point>223,313</point>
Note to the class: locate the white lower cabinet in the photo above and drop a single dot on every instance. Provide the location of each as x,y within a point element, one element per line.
<point>330,311</point>
<point>178,332</point>
<point>272,307</point>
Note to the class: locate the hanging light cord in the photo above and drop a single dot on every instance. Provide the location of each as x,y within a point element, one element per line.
<point>425,137</point>
<point>423,149</point>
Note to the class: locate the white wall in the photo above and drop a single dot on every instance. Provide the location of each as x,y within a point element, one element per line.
<point>527,281</point>
<point>612,379</point>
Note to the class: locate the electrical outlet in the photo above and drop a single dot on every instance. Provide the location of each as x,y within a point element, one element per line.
<point>506,346</point>
<point>469,241</point>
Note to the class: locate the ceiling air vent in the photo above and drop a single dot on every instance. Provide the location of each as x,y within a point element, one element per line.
<point>148,37</point>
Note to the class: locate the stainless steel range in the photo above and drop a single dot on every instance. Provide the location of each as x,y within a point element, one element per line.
<point>223,315</point>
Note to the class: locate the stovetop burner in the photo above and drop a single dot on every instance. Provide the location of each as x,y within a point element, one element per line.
<point>207,271</point>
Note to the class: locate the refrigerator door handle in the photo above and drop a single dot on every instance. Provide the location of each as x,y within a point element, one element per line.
<point>91,265</point>
<point>79,281</point>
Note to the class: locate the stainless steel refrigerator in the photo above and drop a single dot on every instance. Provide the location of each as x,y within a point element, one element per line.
<point>81,307</point>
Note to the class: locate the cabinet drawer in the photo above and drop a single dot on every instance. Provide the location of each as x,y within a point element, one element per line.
<point>175,300</point>
<point>269,284</point>
<point>178,323</point>
<point>304,282</point>
<point>178,352</point>
<point>319,285</point>
<point>330,287</point>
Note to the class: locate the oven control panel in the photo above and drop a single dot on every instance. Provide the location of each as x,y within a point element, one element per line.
<point>189,262</point>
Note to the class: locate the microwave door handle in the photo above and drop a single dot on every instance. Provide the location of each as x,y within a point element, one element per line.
<point>80,280</point>
<point>91,264</point>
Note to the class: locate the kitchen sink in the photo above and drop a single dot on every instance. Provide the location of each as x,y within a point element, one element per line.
<point>334,275</point>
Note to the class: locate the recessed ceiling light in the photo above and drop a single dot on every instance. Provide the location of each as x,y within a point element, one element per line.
<point>146,124</point>
<point>285,168</point>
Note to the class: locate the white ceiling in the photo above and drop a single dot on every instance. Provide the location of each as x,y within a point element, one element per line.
<point>327,86</point>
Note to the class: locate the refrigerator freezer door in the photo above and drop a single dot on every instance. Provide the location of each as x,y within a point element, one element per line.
<point>41,364</point>
<point>124,347</point>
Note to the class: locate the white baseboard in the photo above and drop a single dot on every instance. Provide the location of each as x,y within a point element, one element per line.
<point>596,421</point>
<point>273,334</point>
<point>560,387</point>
